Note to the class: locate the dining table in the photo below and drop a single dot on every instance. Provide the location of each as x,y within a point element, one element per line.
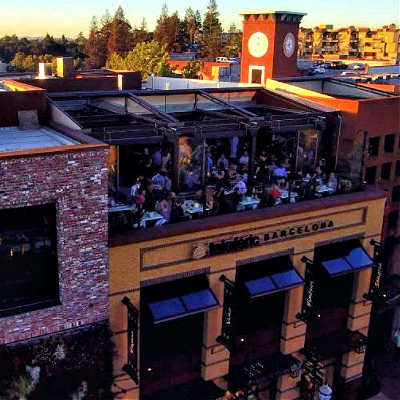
<point>248,203</point>
<point>152,216</point>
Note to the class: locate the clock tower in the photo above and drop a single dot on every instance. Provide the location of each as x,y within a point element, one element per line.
<point>269,45</point>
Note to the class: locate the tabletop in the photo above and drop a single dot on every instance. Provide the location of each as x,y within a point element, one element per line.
<point>121,207</point>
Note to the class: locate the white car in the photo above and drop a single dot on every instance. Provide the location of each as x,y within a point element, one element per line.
<point>317,70</point>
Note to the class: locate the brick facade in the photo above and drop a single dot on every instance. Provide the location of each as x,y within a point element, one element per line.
<point>77,182</point>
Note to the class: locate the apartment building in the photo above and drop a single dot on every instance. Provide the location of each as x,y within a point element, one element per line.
<point>350,42</point>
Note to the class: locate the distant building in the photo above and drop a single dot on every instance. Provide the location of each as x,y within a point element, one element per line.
<point>350,42</point>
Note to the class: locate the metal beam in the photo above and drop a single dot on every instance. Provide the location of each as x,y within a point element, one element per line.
<point>222,115</point>
<point>164,116</point>
<point>238,110</point>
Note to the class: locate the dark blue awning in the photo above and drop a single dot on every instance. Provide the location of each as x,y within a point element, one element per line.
<point>181,306</point>
<point>354,260</point>
<point>273,283</point>
<point>358,258</point>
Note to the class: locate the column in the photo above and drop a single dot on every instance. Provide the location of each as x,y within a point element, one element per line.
<point>215,357</point>
<point>124,388</point>
<point>252,153</point>
<point>293,332</point>
<point>358,319</point>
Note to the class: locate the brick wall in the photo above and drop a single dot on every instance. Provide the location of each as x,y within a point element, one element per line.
<point>77,182</point>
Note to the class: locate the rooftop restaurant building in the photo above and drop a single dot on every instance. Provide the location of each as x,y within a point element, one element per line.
<point>243,253</point>
<point>230,232</point>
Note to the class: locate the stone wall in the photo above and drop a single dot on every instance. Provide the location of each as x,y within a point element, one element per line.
<point>77,182</point>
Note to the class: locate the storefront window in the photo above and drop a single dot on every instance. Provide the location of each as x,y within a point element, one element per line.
<point>389,143</point>
<point>28,258</point>
<point>373,146</point>
<point>386,170</point>
<point>370,175</point>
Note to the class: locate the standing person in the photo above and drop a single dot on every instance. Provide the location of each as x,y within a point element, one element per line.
<point>234,145</point>
<point>156,158</point>
<point>165,160</point>
<point>222,162</point>
<point>135,187</point>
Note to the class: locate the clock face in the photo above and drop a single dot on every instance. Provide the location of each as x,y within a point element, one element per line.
<point>289,45</point>
<point>258,44</point>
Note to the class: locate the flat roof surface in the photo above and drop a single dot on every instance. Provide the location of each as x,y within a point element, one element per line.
<point>12,138</point>
<point>252,12</point>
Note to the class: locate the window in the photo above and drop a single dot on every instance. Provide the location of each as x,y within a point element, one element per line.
<point>28,259</point>
<point>385,171</point>
<point>373,147</point>
<point>389,143</point>
<point>397,168</point>
<point>370,175</point>
<point>392,219</point>
<point>396,194</point>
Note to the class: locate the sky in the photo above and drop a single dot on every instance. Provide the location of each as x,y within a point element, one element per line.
<point>37,17</point>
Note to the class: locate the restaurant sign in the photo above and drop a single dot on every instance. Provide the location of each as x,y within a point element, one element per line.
<point>132,357</point>
<point>227,337</point>
<point>239,243</point>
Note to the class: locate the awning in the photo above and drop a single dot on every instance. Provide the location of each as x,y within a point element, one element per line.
<point>274,282</point>
<point>351,260</point>
<point>183,305</point>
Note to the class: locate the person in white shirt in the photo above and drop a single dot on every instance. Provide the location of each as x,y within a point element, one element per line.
<point>240,186</point>
<point>135,187</point>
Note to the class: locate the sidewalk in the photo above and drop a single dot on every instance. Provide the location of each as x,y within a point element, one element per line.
<point>390,384</point>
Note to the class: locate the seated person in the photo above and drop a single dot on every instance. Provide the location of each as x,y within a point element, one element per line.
<point>158,181</point>
<point>165,206</point>
<point>167,181</point>
<point>274,192</point>
<point>244,159</point>
<point>332,181</point>
<point>150,198</point>
<point>240,186</point>
<point>279,172</point>
<point>177,213</point>
<point>208,199</point>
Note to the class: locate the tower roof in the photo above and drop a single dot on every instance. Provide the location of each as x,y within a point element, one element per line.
<point>260,12</point>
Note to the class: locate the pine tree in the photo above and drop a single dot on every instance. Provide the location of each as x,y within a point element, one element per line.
<point>167,28</point>
<point>120,39</point>
<point>191,24</point>
<point>140,34</point>
<point>211,45</point>
<point>94,48</point>
<point>234,42</point>
<point>147,58</point>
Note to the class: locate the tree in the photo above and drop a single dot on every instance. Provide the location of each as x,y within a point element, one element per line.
<point>140,34</point>
<point>120,38</point>
<point>234,42</point>
<point>191,70</point>
<point>192,25</point>
<point>211,45</point>
<point>147,58</point>
<point>94,48</point>
<point>22,62</point>
<point>167,28</point>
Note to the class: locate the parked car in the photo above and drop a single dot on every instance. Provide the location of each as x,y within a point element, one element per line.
<point>316,70</point>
